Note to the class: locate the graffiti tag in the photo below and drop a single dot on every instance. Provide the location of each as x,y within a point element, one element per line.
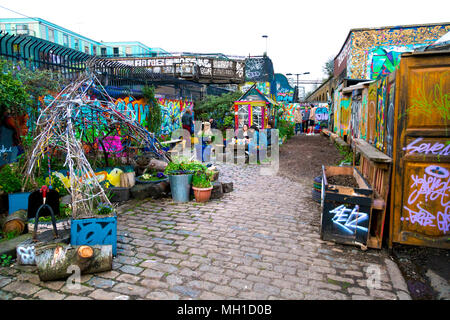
<point>431,185</point>
<point>348,219</point>
<point>426,148</point>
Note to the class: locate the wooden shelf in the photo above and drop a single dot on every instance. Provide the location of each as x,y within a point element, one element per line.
<point>371,153</point>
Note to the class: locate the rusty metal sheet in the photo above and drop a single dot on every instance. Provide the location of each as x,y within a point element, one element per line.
<point>420,206</point>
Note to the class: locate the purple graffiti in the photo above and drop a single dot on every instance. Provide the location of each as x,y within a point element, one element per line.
<point>426,148</point>
<point>422,217</point>
<point>433,185</point>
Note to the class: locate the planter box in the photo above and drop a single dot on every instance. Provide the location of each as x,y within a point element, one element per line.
<point>346,211</point>
<point>94,231</point>
<point>18,201</point>
<point>119,194</point>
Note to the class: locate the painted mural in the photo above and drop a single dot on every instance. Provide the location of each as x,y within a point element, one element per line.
<point>264,87</point>
<point>374,53</point>
<point>345,115</point>
<point>284,92</point>
<point>171,110</point>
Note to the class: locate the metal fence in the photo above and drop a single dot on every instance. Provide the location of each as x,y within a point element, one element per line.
<point>37,53</point>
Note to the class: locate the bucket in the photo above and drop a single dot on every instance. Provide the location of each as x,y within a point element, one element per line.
<point>180,186</point>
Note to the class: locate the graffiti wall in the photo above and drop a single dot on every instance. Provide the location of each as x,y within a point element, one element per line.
<point>264,87</point>
<point>171,111</point>
<point>284,92</point>
<point>370,54</point>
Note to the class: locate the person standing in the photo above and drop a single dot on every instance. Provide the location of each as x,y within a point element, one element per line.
<point>213,123</point>
<point>187,121</point>
<point>298,120</point>
<point>306,120</point>
<point>312,117</point>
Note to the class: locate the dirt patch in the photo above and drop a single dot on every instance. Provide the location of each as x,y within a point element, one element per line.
<point>343,180</point>
<point>302,157</point>
<point>414,262</point>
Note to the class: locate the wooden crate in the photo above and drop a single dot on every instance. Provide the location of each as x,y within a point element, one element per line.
<point>346,211</point>
<point>375,167</point>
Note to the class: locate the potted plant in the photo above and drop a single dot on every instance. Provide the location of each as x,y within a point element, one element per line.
<point>155,177</point>
<point>201,184</point>
<point>180,172</point>
<point>98,230</point>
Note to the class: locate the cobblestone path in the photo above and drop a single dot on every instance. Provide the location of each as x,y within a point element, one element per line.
<point>260,241</point>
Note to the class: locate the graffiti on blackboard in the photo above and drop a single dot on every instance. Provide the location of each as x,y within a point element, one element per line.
<point>348,219</point>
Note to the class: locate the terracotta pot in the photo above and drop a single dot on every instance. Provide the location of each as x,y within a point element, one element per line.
<point>202,194</point>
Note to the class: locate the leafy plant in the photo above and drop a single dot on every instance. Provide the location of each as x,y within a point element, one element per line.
<point>154,117</point>
<point>9,179</point>
<point>201,179</point>
<point>5,260</point>
<point>218,108</point>
<point>104,209</point>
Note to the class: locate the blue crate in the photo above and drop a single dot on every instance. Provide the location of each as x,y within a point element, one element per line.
<point>18,201</point>
<point>94,231</point>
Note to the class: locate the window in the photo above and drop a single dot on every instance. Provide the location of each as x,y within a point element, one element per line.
<point>116,51</point>
<point>128,51</point>
<point>51,35</point>
<point>94,50</point>
<point>65,40</point>
<point>22,29</point>
<point>76,43</point>
<point>86,49</point>
<point>242,115</point>
<point>103,51</point>
<point>257,116</point>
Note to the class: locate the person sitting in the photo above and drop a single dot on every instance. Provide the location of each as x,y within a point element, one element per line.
<point>245,133</point>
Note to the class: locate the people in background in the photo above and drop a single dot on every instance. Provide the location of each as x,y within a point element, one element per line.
<point>312,117</point>
<point>269,133</point>
<point>213,123</point>
<point>306,119</point>
<point>205,133</point>
<point>253,145</point>
<point>187,121</point>
<point>298,120</point>
<point>245,132</point>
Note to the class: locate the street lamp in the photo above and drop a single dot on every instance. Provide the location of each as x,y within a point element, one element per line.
<point>296,83</point>
<point>265,36</point>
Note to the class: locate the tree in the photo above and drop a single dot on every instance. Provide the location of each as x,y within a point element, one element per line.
<point>154,118</point>
<point>328,68</point>
<point>217,107</point>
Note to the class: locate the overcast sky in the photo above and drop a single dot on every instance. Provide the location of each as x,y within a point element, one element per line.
<point>302,35</point>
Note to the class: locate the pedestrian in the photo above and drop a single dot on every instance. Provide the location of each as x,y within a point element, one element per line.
<point>187,121</point>
<point>312,117</point>
<point>298,120</point>
<point>306,120</point>
<point>213,123</point>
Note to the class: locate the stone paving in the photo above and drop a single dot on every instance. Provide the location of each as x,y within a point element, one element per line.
<point>261,241</point>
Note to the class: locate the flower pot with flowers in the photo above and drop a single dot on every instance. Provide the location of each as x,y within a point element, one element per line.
<point>201,184</point>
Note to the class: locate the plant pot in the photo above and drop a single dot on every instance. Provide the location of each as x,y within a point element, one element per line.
<point>202,194</point>
<point>94,231</point>
<point>180,187</point>
<point>18,201</point>
<point>119,194</point>
<point>140,180</point>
